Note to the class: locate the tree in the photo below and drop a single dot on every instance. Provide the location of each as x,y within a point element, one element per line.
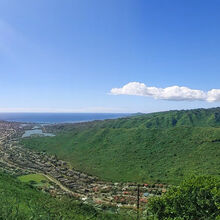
<point>198,197</point>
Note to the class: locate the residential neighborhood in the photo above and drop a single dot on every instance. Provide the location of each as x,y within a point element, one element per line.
<point>64,180</point>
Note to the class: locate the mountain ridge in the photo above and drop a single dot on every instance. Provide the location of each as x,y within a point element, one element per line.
<point>140,148</point>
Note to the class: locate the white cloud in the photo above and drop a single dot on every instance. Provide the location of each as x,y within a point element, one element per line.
<point>177,93</point>
<point>214,95</point>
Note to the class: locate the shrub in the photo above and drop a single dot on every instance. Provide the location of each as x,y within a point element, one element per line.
<point>198,197</point>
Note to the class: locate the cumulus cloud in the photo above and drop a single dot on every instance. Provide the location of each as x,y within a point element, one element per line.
<point>177,93</point>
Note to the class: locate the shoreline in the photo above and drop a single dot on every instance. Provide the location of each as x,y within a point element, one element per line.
<point>57,117</point>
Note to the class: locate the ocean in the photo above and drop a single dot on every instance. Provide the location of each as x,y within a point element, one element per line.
<point>58,117</point>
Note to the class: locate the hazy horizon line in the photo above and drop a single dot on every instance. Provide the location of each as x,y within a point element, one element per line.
<point>87,112</point>
<point>70,112</point>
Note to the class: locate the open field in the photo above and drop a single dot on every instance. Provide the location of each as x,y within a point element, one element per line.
<point>36,179</point>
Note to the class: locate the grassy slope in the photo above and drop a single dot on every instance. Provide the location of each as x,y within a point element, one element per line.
<point>32,177</point>
<point>153,147</point>
<point>20,201</point>
<point>36,179</point>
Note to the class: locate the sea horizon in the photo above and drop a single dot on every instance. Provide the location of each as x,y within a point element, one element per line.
<point>57,117</point>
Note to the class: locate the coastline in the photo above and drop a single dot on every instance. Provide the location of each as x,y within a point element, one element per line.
<point>58,118</point>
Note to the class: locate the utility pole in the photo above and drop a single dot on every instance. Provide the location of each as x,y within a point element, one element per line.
<point>138,201</point>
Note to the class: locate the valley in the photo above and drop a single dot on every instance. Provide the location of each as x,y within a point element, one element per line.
<point>144,148</point>
<point>120,165</point>
<point>64,180</point>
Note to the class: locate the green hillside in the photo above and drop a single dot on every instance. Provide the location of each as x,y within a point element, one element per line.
<point>21,201</point>
<point>195,118</point>
<point>158,147</point>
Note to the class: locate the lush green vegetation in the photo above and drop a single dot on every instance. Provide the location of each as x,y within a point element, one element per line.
<point>21,201</point>
<point>158,147</point>
<point>195,118</point>
<point>35,179</point>
<point>195,198</point>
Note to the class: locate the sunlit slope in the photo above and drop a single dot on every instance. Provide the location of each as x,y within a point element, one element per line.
<point>127,150</point>
<point>22,201</point>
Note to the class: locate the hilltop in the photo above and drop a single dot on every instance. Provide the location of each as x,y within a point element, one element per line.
<point>156,147</point>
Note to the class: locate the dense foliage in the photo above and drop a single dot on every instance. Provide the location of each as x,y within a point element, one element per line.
<point>21,201</point>
<point>195,118</point>
<point>141,148</point>
<point>195,198</point>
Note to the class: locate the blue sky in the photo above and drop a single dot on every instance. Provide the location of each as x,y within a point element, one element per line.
<point>67,56</point>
